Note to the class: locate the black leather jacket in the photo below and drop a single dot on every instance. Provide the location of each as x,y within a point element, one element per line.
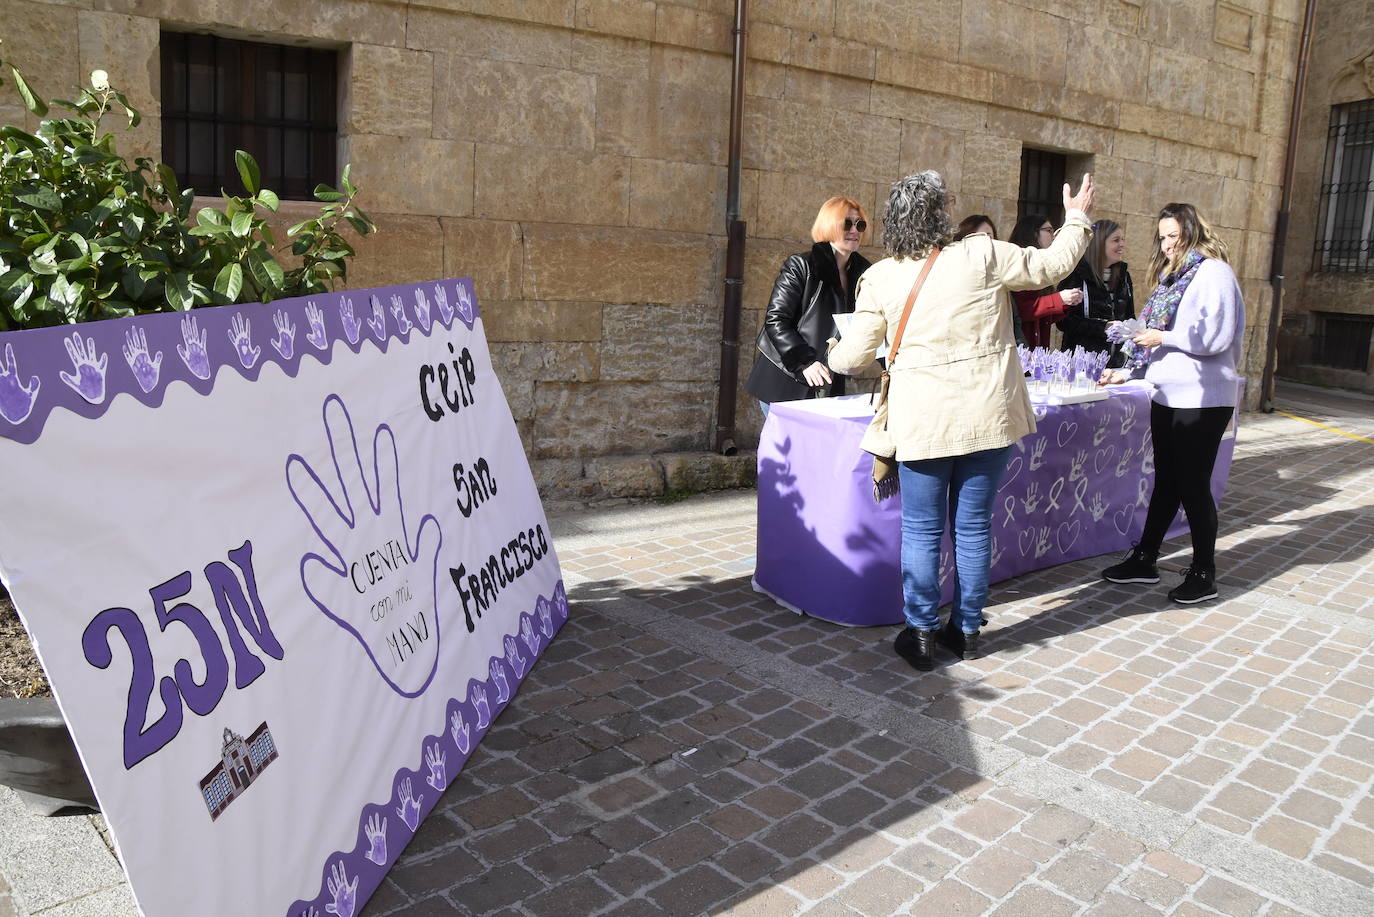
<point>799,320</point>
<point>1088,326</point>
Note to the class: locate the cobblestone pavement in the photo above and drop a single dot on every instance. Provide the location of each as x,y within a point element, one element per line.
<point>686,747</point>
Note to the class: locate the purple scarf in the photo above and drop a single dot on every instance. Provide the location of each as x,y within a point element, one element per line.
<point>1162,306</point>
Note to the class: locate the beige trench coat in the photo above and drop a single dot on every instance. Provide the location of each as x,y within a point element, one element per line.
<point>957,386</point>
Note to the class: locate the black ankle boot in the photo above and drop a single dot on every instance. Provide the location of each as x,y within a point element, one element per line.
<point>965,646</point>
<point>917,647</point>
<point>1138,567</point>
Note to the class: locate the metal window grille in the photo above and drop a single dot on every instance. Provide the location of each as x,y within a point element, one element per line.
<point>1345,215</point>
<point>1042,184</point>
<point>275,102</point>
<point>1342,341</point>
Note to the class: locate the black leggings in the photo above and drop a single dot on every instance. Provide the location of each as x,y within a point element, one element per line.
<point>1186,442</point>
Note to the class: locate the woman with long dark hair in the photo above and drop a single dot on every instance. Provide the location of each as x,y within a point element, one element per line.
<point>1106,284</point>
<point>1190,345</point>
<point>1039,309</point>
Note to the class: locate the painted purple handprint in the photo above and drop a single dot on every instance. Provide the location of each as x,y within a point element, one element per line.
<point>544,608</point>
<point>479,703</point>
<point>145,370</point>
<point>527,633</point>
<point>241,336</point>
<point>441,300</point>
<point>352,327</point>
<point>318,337</point>
<point>376,838</point>
<point>498,679</point>
<point>409,809</point>
<point>517,662</point>
<point>343,891</point>
<point>89,378</point>
<point>461,731</point>
<point>193,352</point>
<point>363,512</point>
<point>465,307</point>
<point>398,312</point>
<point>378,320</point>
<point>16,399</point>
<point>435,760</point>
<point>422,310</point>
<point>560,602</point>
<point>285,341</point>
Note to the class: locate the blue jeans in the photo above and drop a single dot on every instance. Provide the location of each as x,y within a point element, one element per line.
<point>961,486</point>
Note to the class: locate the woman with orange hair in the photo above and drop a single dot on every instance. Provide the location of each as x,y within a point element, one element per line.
<point>811,288</point>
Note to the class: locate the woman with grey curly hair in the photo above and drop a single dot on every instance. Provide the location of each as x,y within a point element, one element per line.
<point>957,400</point>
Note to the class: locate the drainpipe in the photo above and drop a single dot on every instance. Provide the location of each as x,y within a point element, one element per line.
<point>1281,226</point>
<point>734,252</point>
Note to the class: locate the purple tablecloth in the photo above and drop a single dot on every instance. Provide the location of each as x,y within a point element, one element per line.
<point>1076,488</point>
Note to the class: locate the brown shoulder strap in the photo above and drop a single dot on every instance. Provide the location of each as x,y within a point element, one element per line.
<point>910,301</point>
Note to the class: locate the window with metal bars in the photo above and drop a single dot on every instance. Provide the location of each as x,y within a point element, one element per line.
<point>278,103</point>
<point>1042,184</point>
<point>1345,213</point>
<point>1342,341</point>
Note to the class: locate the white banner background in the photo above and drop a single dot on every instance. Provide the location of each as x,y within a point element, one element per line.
<point>104,500</point>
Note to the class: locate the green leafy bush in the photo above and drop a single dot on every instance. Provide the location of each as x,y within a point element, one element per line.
<point>84,236</point>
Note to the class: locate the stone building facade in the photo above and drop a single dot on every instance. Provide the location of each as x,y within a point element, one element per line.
<point>1328,307</point>
<point>570,156</point>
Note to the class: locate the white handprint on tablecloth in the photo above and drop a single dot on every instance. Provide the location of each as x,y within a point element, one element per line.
<point>285,341</point>
<point>461,731</point>
<point>317,336</point>
<point>527,633</point>
<point>376,838</point>
<point>352,327</point>
<point>435,759</point>
<point>498,679</point>
<point>1032,498</point>
<point>1042,541</point>
<point>343,891</point>
<point>1098,508</point>
<point>409,807</point>
<point>479,703</point>
<point>193,352</point>
<point>1037,456</point>
<point>517,662</point>
<point>1076,464</point>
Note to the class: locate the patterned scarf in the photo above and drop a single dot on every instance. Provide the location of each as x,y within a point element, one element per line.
<point>1162,306</point>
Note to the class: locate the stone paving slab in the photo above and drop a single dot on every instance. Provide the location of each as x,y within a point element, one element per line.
<point>687,747</point>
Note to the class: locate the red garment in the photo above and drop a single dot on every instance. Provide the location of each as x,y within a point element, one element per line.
<point>1038,310</point>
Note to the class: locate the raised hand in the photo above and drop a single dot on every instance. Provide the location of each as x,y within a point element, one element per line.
<point>409,809</point>
<point>378,320</point>
<point>441,300</point>
<point>145,370</point>
<point>193,352</point>
<point>343,891</point>
<point>352,327</point>
<point>16,399</point>
<point>498,678</point>
<point>398,312</point>
<point>517,662</point>
<point>479,703</point>
<point>1083,200</point>
<point>461,731</point>
<point>285,341</point>
<point>376,837</point>
<point>528,635</point>
<point>89,379</point>
<point>241,336</point>
<point>318,337</point>
<point>422,310</point>
<point>436,759</point>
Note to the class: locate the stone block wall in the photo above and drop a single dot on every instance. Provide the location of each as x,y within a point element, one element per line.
<point>1340,70</point>
<point>571,154</point>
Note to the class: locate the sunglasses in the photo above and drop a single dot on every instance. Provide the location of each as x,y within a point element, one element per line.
<point>860,225</point>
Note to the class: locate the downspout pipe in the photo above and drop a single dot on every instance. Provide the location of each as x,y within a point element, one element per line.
<point>728,386</point>
<point>1285,208</point>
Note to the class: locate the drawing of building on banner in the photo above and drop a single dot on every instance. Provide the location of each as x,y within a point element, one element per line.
<point>242,762</point>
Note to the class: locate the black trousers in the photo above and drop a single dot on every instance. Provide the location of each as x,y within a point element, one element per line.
<point>1186,442</point>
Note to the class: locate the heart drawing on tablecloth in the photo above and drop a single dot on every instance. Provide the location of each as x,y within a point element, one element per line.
<point>1067,534</point>
<point>1013,469</point>
<point>1104,458</point>
<point>1025,540</point>
<point>1066,431</point>
<point>1121,519</point>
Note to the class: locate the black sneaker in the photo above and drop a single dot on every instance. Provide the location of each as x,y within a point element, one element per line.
<point>1138,567</point>
<point>1198,585</point>
<point>917,647</point>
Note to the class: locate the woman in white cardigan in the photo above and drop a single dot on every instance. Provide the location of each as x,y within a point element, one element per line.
<point>957,397</point>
